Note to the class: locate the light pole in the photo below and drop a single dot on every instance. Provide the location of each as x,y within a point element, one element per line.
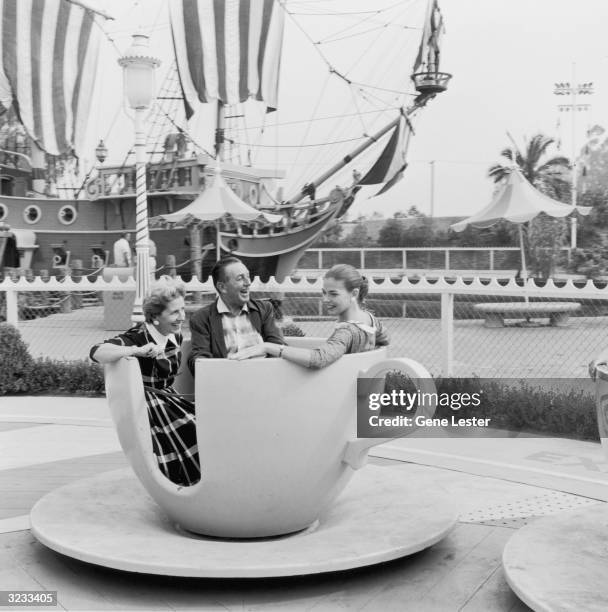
<point>139,86</point>
<point>572,90</point>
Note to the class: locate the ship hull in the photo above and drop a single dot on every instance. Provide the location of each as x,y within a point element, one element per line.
<point>97,224</point>
<point>281,251</point>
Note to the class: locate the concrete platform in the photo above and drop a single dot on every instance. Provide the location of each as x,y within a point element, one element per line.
<point>560,563</point>
<point>109,520</point>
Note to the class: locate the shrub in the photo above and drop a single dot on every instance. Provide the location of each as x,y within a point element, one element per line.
<point>518,405</point>
<point>590,262</point>
<point>20,373</point>
<point>15,359</point>
<point>80,377</point>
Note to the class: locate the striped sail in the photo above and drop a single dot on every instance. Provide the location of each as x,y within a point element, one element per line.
<point>49,59</point>
<point>391,163</point>
<point>227,50</point>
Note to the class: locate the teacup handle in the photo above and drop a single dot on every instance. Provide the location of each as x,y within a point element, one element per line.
<point>355,453</point>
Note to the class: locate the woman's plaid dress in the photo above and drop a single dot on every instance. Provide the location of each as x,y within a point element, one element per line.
<point>172,418</point>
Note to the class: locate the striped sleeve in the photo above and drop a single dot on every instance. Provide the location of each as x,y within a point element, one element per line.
<point>132,337</point>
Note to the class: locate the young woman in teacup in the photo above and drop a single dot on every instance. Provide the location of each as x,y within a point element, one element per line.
<point>357,330</point>
<point>156,343</point>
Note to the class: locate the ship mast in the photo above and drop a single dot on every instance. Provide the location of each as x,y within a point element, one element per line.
<point>220,126</point>
<point>196,244</point>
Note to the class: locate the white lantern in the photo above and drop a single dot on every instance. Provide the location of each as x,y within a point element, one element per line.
<point>139,72</point>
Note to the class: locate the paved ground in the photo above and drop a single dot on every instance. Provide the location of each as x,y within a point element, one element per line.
<point>498,486</point>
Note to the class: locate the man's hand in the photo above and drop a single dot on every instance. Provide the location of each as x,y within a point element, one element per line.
<point>257,350</point>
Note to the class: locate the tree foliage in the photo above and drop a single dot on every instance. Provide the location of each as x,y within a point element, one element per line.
<point>547,174</point>
<point>359,237</point>
<point>330,237</point>
<point>391,233</point>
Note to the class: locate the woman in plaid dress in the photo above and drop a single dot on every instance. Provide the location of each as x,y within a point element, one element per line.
<point>156,344</point>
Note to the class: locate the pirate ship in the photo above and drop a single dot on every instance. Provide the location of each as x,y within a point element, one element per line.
<point>49,223</point>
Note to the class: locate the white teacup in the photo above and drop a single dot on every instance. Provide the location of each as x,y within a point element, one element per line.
<point>277,442</point>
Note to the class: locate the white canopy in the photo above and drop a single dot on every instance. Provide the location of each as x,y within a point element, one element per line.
<point>216,201</point>
<point>518,201</point>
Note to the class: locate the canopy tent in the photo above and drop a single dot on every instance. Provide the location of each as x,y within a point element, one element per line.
<point>217,201</point>
<point>518,201</point>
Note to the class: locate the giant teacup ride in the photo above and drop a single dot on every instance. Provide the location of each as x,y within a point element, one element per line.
<point>278,446</point>
<point>560,562</point>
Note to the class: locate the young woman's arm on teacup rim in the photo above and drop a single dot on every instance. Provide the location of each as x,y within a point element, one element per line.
<point>331,350</point>
<point>301,356</point>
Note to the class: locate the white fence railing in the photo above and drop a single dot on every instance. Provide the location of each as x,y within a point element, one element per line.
<point>454,340</point>
<point>417,258</point>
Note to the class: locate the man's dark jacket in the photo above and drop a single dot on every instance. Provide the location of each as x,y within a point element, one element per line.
<point>208,333</point>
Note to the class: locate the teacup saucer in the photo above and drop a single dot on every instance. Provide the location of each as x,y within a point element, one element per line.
<point>384,513</point>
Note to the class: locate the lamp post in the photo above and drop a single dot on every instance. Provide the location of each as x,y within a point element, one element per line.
<point>572,90</point>
<point>139,86</point>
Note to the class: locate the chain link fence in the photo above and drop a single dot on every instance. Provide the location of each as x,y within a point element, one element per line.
<point>534,332</point>
<point>528,345</point>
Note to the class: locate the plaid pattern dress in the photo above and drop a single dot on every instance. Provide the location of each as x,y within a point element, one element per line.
<point>172,418</point>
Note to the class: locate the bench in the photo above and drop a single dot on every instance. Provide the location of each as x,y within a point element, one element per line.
<point>557,312</point>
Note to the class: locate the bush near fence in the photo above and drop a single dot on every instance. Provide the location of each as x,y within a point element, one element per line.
<point>21,373</point>
<point>15,359</point>
<point>515,406</point>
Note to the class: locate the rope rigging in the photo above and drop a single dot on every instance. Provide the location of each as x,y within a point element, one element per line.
<point>368,82</point>
<point>318,144</point>
<point>366,86</point>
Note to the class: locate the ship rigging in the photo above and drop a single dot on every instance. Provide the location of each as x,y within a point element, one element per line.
<point>305,171</point>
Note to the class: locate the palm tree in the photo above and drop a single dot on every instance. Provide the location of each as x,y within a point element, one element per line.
<point>547,175</point>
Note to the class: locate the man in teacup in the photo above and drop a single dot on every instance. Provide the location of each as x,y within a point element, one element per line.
<point>234,321</point>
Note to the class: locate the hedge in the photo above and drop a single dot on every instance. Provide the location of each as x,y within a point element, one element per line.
<point>21,373</point>
<point>521,405</point>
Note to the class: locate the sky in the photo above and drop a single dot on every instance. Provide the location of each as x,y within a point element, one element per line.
<point>505,57</point>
